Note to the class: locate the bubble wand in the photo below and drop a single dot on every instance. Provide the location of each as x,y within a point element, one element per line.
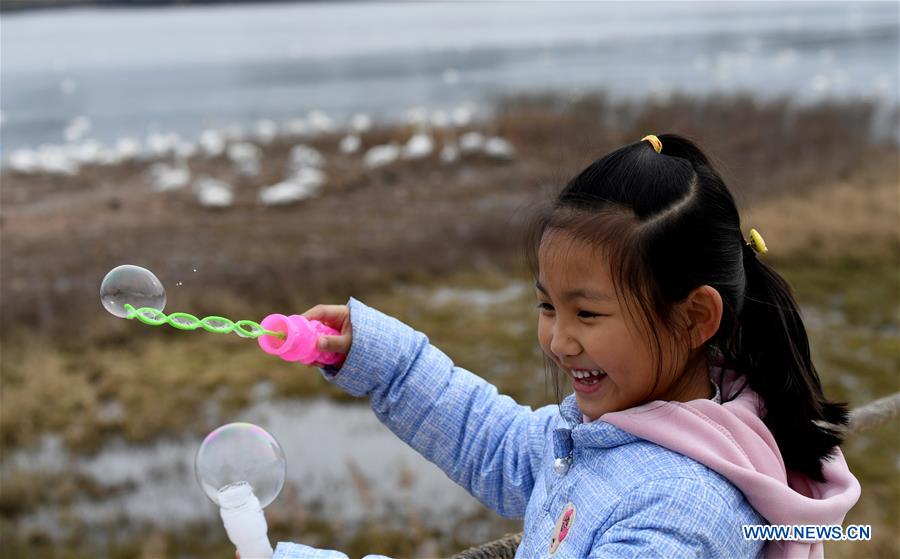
<point>292,338</point>
<point>185,321</point>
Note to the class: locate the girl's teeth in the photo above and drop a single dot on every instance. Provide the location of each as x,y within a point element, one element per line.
<point>586,374</point>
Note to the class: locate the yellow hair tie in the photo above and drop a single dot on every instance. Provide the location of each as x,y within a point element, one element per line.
<point>654,141</point>
<point>757,243</point>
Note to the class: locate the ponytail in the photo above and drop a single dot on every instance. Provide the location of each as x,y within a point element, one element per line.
<point>772,350</point>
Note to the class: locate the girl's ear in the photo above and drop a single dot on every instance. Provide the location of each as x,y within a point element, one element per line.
<point>702,312</point>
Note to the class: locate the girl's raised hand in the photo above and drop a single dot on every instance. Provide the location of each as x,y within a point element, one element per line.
<point>338,317</point>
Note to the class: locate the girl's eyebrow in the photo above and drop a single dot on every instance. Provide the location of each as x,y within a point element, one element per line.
<point>577,293</point>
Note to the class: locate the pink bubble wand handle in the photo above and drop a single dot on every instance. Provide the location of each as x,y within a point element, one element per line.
<point>300,342</point>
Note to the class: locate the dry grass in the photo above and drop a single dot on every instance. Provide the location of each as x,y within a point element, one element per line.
<point>860,218</point>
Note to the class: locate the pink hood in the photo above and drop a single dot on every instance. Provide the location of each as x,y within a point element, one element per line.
<point>732,440</point>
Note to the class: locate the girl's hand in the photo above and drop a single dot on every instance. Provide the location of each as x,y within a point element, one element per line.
<point>338,317</point>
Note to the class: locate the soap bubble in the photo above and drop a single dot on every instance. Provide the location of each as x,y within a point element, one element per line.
<point>240,453</point>
<point>133,285</point>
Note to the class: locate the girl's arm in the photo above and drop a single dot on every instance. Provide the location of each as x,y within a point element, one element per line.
<point>484,441</point>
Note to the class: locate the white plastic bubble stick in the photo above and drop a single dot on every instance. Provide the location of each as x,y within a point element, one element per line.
<point>244,521</point>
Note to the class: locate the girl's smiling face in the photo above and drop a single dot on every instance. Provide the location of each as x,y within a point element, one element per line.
<point>583,326</point>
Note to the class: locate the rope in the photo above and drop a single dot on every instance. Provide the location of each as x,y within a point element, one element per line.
<point>862,419</point>
<point>874,414</point>
<point>503,548</point>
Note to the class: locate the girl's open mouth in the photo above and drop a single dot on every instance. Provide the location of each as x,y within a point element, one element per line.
<point>586,381</point>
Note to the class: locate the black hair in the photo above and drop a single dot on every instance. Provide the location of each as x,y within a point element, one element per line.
<point>668,224</point>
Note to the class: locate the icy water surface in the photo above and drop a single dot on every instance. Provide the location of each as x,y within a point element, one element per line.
<point>112,74</point>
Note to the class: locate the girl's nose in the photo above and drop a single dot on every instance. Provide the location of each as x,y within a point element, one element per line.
<point>564,346</point>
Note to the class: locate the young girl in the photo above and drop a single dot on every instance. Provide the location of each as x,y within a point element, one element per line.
<point>696,407</point>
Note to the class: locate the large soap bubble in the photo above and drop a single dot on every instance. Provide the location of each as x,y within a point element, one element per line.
<point>240,454</point>
<point>133,285</point>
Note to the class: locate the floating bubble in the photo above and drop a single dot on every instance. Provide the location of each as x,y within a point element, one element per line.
<point>240,453</point>
<point>132,285</point>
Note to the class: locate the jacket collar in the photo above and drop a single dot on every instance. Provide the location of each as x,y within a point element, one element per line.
<point>596,434</point>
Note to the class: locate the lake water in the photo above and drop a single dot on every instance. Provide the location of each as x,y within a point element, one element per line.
<point>360,471</point>
<point>133,72</point>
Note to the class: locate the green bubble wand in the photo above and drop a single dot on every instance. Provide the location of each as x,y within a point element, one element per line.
<point>186,321</point>
<point>292,338</point>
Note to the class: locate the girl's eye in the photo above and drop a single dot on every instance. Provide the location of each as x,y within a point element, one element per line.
<point>584,314</point>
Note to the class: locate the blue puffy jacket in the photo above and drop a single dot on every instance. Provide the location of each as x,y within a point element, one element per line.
<point>618,495</point>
